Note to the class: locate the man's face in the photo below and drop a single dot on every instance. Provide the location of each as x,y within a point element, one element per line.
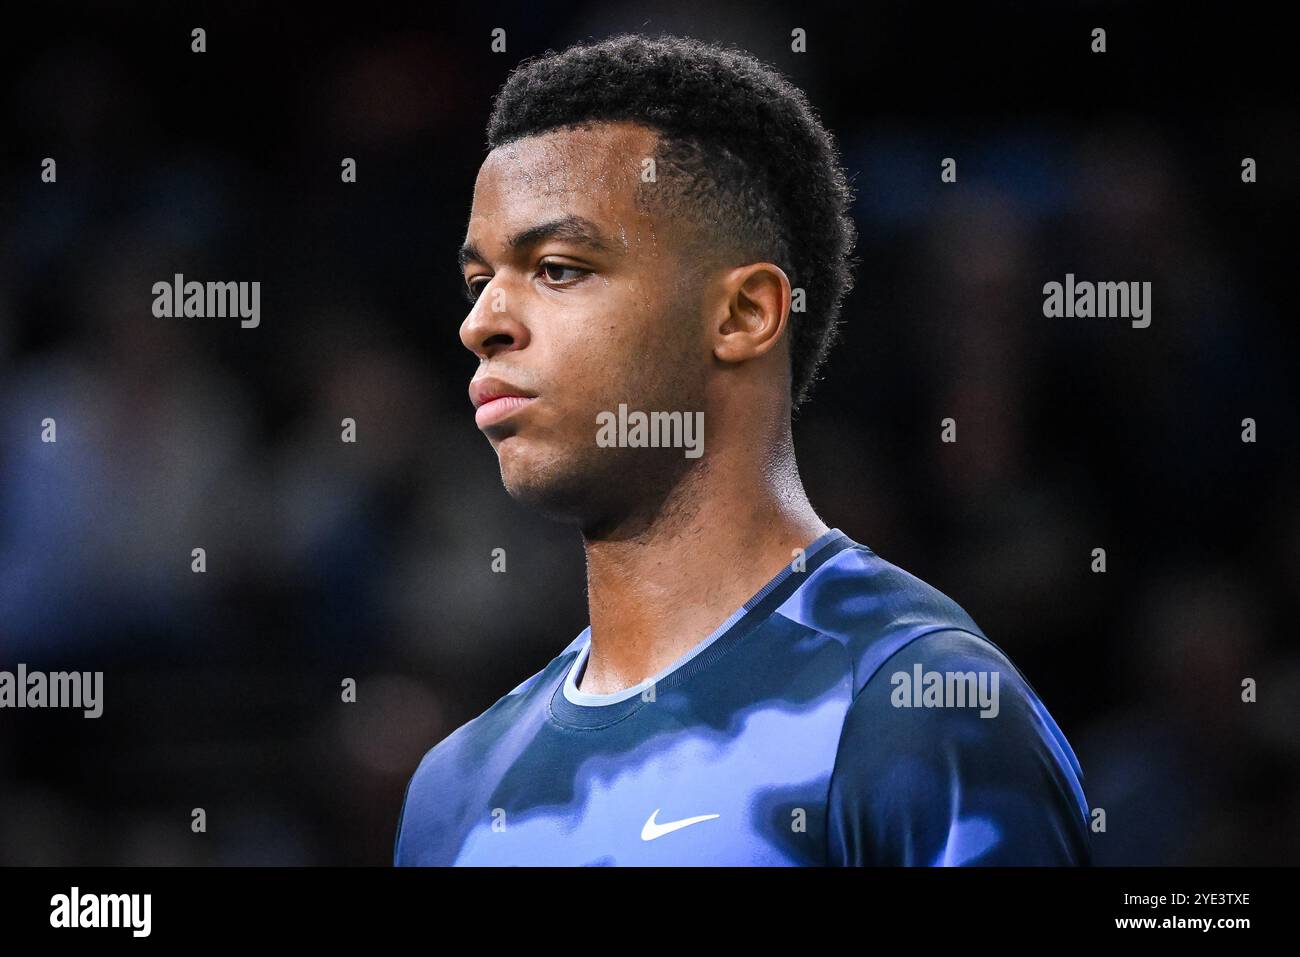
<point>582,304</point>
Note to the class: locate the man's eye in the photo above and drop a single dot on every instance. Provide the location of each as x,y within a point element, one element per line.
<point>555,272</point>
<point>561,268</point>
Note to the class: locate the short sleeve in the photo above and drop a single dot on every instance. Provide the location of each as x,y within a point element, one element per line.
<point>948,758</point>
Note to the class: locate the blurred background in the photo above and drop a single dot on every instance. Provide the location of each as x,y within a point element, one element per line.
<point>371,561</point>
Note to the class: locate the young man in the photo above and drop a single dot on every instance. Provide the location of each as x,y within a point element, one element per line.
<point>661,226</point>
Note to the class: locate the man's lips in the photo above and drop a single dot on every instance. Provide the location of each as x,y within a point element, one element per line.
<point>494,410</point>
<point>495,399</point>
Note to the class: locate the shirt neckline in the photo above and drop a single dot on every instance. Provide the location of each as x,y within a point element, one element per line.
<point>577,708</point>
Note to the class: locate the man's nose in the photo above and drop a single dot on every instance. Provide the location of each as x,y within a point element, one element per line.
<point>490,328</point>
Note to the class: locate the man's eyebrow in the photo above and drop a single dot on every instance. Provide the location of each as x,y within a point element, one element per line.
<point>571,228</point>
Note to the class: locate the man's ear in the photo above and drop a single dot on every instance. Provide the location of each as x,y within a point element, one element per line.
<point>756,308</point>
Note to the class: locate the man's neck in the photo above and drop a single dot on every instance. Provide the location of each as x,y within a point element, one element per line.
<point>655,594</point>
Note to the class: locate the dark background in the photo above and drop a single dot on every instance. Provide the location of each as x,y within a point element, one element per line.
<point>371,561</point>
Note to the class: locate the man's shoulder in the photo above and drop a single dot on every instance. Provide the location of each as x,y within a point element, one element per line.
<point>451,775</point>
<point>947,753</point>
<point>469,742</point>
<point>875,609</point>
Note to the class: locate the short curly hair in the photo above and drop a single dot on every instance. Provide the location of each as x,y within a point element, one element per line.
<point>762,177</point>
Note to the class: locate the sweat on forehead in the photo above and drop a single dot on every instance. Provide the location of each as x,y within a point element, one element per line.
<point>574,156</point>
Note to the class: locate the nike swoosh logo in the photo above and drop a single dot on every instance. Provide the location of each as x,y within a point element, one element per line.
<point>654,829</point>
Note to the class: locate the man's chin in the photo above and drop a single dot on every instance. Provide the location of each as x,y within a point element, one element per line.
<point>548,482</point>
